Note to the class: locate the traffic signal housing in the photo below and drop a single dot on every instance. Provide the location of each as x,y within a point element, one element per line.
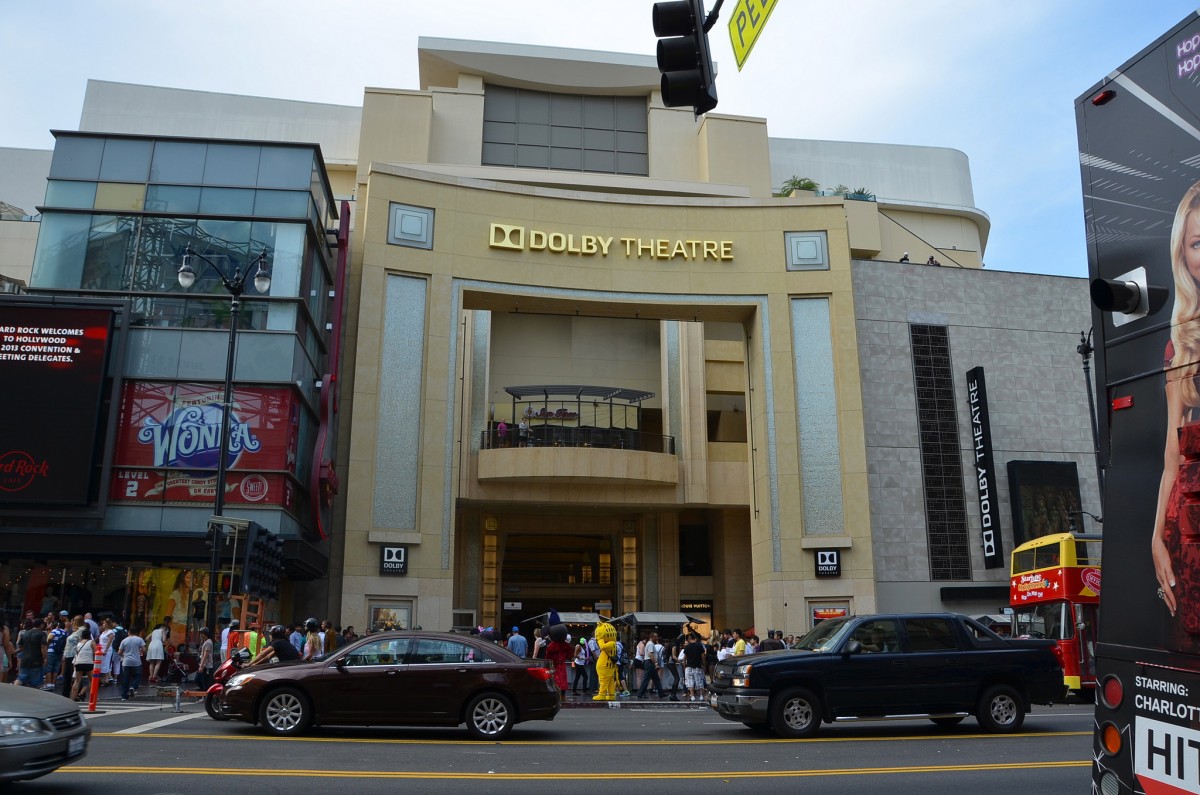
<point>688,77</point>
<point>262,569</point>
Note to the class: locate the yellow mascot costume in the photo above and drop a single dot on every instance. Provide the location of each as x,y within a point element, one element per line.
<point>606,663</point>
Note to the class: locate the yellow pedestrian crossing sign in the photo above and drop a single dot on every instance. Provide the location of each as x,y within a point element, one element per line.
<point>748,19</point>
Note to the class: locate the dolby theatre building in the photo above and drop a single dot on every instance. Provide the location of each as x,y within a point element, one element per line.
<point>598,366</point>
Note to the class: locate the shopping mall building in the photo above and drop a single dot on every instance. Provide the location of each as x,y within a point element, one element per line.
<point>587,359</point>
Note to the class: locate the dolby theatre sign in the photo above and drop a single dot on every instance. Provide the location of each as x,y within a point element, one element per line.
<point>519,238</point>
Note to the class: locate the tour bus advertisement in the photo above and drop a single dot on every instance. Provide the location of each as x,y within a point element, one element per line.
<point>1139,140</point>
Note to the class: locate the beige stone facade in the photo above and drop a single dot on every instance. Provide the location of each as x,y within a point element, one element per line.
<point>682,283</point>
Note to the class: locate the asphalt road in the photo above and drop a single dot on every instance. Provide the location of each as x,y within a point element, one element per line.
<point>140,748</point>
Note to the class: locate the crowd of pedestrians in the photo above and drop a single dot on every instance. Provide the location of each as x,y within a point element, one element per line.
<point>672,669</point>
<point>60,652</point>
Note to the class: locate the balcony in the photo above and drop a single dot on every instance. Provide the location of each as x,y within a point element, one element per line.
<point>556,454</point>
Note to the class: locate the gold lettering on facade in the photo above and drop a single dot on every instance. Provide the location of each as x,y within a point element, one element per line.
<point>510,237</point>
<point>514,238</point>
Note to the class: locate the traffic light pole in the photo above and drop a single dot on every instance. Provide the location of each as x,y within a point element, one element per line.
<point>684,58</point>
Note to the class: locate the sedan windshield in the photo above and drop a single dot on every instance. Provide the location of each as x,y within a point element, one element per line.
<point>824,636</point>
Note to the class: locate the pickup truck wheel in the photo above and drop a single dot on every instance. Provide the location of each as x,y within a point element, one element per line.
<point>795,713</point>
<point>1001,710</point>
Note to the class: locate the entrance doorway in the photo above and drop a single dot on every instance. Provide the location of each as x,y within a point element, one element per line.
<point>567,573</point>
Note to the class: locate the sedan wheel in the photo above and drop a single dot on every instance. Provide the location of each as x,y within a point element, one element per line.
<point>1001,710</point>
<point>285,712</point>
<point>490,716</point>
<point>795,713</point>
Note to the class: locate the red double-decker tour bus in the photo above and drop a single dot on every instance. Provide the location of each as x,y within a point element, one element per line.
<point>1054,591</point>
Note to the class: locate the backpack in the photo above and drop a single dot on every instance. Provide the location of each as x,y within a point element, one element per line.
<point>120,635</point>
<point>58,639</point>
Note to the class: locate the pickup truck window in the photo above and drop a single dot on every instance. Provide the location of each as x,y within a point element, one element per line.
<point>980,636</point>
<point>881,635</point>
<point>930,634</point>
<point>824,636</point>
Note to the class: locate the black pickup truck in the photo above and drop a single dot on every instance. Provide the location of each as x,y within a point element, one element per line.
<point>940,666</point>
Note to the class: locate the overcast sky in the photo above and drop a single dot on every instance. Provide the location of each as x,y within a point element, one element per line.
<point>995,80</point>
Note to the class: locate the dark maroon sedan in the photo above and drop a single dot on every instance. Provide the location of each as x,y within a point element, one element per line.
<point>397,679</point>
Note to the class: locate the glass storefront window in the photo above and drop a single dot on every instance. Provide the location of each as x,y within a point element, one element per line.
<point>125,160</point>
<point>226,201</point>
<point>285,248</point>
<point>284,167</point>
<point>119,196</point>
<point>109,252</point>
<point>77,158</point>
<point>231,164</point>
<point>281,204</point>
<point>76,195</point>
<point>61,250</point>
<point>172,199</point>
<point>179,162</point>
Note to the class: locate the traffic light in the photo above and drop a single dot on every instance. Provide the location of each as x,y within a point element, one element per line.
<point>263,566</point>
<point>688,77</point>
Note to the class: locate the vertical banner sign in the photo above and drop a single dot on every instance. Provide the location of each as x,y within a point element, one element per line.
<point>985,470</point>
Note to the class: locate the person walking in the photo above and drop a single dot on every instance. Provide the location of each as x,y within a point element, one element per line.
<point>156,653</point>
<point>670,668</point>
<point>694,653</point>
<point>580,680</point>
<point>131,650</point>
<point>108,650</point>
<point>32,649</point>
<point>204,664</point>
<point>85,659</point>
<point>650,667</point>
<point>517,643</point>
<point>559,654</point>
<point>69,649</point>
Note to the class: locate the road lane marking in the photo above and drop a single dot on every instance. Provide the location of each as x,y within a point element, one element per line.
<point>606,743</point>
<point>142,730</point>
<point>566,776</point>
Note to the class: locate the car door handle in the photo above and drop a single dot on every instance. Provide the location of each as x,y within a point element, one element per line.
<point>461,670</point>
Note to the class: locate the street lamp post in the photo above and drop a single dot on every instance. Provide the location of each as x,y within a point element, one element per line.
<point>235,286</point>
<point>1085,350</point>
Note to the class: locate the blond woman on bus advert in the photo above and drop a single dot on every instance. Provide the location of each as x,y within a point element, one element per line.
<point>1175,542</point>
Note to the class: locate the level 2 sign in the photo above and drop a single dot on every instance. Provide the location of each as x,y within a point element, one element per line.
<point>748,19</point>
<point>393,561</point>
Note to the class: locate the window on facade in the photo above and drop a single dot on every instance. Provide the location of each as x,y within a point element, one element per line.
<point>695,557</point>
<point>565,132</point>
<point>941,456</point>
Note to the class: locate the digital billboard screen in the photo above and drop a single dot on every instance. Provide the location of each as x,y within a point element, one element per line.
<point>53,361</point>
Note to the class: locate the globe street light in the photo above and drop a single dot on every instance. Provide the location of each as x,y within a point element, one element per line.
<point>235,286</point>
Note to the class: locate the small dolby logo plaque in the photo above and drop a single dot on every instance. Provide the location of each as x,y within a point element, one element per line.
<point>829,563</point>
<point>393,561</point>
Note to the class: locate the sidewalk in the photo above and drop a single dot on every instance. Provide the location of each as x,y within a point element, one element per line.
<point>584,701</point>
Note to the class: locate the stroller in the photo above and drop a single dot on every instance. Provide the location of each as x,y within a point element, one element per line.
<point>177,673</point>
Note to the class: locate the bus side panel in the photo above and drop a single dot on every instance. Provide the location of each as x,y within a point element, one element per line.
<point>1140,155</point>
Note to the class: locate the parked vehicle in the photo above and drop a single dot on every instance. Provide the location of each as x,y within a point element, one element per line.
<point>1055,594</point>
<point>940,666</point>
<point>397,679</point>
<point>212,696</point>
<point>39,733</point>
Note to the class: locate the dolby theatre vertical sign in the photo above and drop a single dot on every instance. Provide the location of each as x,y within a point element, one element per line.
<point>985,469</point>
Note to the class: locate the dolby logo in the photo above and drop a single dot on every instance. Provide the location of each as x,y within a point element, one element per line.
<point>393,561</point>
<point>829,563</point>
